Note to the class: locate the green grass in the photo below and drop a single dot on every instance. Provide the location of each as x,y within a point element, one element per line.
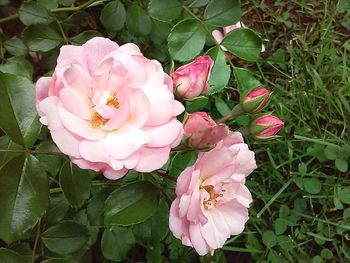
<point>302,186</point>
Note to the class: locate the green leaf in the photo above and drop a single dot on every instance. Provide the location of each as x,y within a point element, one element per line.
<point>24,196</point>
<point>269,238</point>
<point>196,3</point>
<point>49,4</point>
<point>50,163</point>
<point>196,104</point>
<point>154,229</point>
<point>180,161</point>
<point>222,106</point>
<point>113,16</point>
<point>116,242</point>
<point>344,195</point>
<point>84,36</point>
<point>220,73</point>
<point>245,80</point>
<point>7,144</point>
<point>18,117</point>
<point>66,237</point>
<point>243,43</point>
<point>16,47</point>
<point>16,68</point>
<point>95,206</point>
<point>58,208</point>
<point>312,185</point>
<point>75,184</point>
<point>34,13</point>
<point>326,253</point>
<point>222,13</point>
<point>165,10</point>
<point>10,256</point>
<point>341,164</point>
<point>131,204</point>
<point>138,21</point>
<point>280,226</point>
<point>186,40</point>
<point>41,38</point>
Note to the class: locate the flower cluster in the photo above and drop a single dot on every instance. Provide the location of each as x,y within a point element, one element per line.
<point>111,109</point>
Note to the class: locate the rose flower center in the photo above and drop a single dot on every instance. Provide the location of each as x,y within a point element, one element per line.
<point>212,200</point>
<point>96,119</point>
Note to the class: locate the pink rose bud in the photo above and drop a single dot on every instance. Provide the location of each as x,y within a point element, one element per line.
<point>191,79</point>
<point>255,100</point>
<point>202,132</point>
<point>265,126</point>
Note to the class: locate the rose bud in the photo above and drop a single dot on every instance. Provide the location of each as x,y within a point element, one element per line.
<point>191,79</point>
<point>201,132</point>
<point>255,100</point>
<point>265,126</point>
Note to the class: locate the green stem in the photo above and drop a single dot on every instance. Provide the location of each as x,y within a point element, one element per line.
<point>172,178</point>
<point>9,18</point>
<point>237,110</point>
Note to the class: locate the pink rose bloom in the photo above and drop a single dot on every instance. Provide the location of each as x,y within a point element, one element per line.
<point>202,132</point>
<point>109,108</point>
<point>266,126</point>
<point>219,35</point>
<point>211,199</point>
<point>191,79</point>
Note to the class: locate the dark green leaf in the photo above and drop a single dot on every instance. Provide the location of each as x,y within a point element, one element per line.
<point>138,21</point>
<point>24,196</point>
<point>49,4</point>
<point>58,208</point>
<point>41,38</point>
<point>10,256</point>
<point>245,80</point>
<point>165,10</point>
<point>116,242</point>
<point>344,195</point>
<point>84,36</point>
<point>7,144</point>
<point>280,226</point>
<point>196,3</point>
<point>75,184</point>
<point>341,164</point>
<point>222,13</point>
<point>269,238</point>
<point>34,13</point>
<point>186,40</point>
<point>131,204</point>
<point>96,205</point>
<point>181,161</point>
<point>16,47</point>
<point>51,163</point>
<point>18,117</point>
<point>160,32</point>
<point>243,43</point>
<point>66,237</point>
<point>196,104</point>
<point>154,229</point>
<point>312,185</point>
<point>15,68</point>
<point>220,73</point>
<point>113,16</point>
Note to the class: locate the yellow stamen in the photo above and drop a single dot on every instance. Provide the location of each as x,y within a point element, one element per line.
<point>97,120</point>
<point>112,101</point>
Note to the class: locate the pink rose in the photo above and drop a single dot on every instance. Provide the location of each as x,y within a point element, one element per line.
<point>202,132</point>
<point>211,199</point>
<point>109,108</point>
<point>255,100</point>
<point>191,79</point>
<point>265,126</point>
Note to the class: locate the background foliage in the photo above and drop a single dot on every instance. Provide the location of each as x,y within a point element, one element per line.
<point>51,211</point>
